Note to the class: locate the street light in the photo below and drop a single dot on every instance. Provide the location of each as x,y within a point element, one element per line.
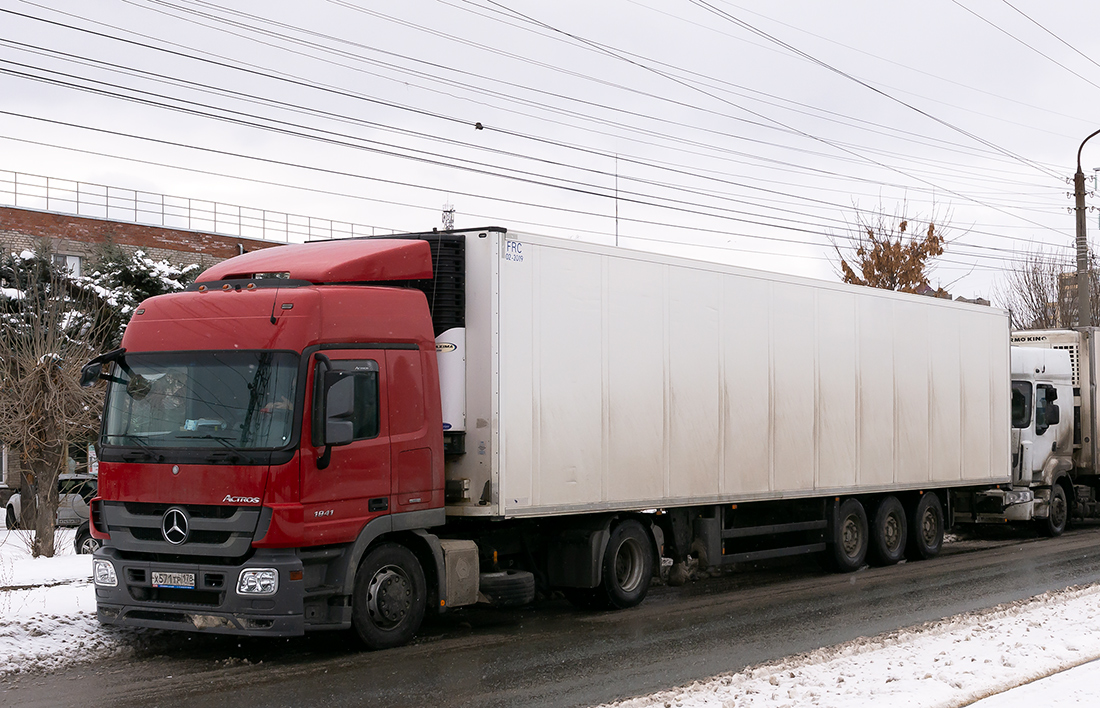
<point>1084,306</point>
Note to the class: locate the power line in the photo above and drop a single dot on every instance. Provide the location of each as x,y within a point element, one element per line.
<point>1017,39</point>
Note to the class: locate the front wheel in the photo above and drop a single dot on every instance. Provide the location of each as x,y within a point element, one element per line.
<point>1058,515</point>
<point>627,566</point>
<point>390,597</point>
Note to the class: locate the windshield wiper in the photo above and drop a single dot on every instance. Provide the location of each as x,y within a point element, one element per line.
<point>208,436</point>
<point>148,451</point>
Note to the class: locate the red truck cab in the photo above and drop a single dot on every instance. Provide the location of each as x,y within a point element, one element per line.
<point>262,430</point>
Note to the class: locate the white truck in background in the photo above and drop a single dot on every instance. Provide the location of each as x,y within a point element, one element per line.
<point>1054,428</point>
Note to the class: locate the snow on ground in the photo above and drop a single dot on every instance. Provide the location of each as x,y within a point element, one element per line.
<point>47,608</point>
<point>47,621</point>
<point>948,663</point>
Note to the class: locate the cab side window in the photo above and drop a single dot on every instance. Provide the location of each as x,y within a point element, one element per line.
<point>1021,404</point>
<point>365,416</point>
<point>1046,410</point>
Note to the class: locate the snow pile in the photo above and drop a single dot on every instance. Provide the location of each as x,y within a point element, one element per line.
<point>47,608</point>
<point>949,663</point>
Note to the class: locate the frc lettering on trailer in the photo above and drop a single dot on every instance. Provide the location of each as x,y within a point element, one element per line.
<point>513,251</point>
<point>241,500</point>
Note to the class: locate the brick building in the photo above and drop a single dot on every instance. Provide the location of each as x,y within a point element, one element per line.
<point>74,241</point>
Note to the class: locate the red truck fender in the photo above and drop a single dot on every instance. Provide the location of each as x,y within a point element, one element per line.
<point>408,529</point>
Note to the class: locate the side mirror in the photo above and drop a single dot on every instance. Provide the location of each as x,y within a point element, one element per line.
<point>1052,414</point>
<point>93,370</point>
<point>89,373</point>
<point>339,407</point>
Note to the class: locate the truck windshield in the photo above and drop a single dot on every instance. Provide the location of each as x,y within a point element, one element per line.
<point>1021,404</point>
<point>241,400</point>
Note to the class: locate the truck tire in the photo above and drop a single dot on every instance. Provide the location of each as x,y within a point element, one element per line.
<point>627,566</point>
<point>889,533</point>
<point>1058,517</point>
<point>850,537</point>
<point>508,588</point>
<point>389,598</point>
<point>10,520</point>
<point>926,528</point>
<point>83,543</point>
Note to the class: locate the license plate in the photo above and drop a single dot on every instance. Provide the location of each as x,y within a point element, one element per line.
<point>173,580</point>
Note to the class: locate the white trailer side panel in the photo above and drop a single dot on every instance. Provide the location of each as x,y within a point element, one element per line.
<point>626,380</point>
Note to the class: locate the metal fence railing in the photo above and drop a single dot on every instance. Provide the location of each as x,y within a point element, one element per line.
<point>19,189</point>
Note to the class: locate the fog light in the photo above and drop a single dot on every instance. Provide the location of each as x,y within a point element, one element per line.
<point>258,581</point>
<point>103,572</point>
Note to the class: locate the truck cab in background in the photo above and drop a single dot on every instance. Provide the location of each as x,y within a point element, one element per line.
<point>1054,473</point>
<point>1062,450</point>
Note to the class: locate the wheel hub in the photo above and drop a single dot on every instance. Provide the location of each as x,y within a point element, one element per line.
<point>850,537</point>
<point>628,565</point>
<point>389,596</point>
<point>928,527</point>
<point>891,533</point>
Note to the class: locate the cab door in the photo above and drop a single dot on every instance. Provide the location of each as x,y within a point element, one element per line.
<point>417,482</point>
<point>354,486</point>
<point>1047,425</point>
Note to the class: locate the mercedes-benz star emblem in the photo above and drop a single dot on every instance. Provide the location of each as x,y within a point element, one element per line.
<point>174,526</point>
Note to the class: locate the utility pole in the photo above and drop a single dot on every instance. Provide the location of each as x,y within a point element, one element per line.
<point>1084,304</point>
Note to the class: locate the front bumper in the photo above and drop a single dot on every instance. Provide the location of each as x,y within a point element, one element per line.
<point>212,606</point>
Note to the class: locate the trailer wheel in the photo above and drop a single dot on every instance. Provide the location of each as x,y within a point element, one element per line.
<point>888,533</point>
<point>389,597</point>
<point>627,566</point>
<point>1055,523</point>
<point>849,546</point>
<point>926,528</point>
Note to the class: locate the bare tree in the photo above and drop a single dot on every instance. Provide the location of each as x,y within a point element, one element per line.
<point>1042,292</point>
<point>890,252</point>
<point>49,326</point>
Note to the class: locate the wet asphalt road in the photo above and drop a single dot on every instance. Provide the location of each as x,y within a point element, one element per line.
<point>553,655</point>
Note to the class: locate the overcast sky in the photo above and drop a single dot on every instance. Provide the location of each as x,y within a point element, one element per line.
<point>753,131</point>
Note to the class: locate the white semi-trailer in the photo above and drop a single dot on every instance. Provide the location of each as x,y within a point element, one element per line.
<point>366,428</point>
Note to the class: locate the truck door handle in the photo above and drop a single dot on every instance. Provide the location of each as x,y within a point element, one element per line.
<point>378,504</point>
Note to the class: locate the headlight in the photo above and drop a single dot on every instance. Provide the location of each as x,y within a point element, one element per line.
<point>1020,496</point>
<point>258,581</point>
<point>103,572</point>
